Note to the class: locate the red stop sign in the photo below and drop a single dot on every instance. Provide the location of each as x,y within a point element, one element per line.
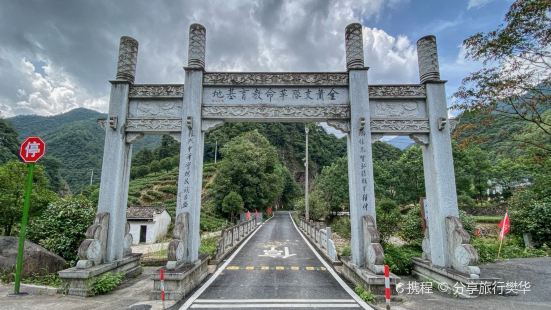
<point>32,149</point>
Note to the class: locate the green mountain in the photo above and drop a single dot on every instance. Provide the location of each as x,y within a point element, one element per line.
<point>74,145</point>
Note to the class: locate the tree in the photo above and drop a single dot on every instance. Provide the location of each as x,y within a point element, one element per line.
<point>62,226</point>
<point>331,185</point>
<point>516,78</point>
<point>12,187</point>
<point>9,147</point>
<point>251,168</point>
<point>232,204</point>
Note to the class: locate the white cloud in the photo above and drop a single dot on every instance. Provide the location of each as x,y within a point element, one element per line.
<point>49,93</point>
<point>477,3</point>
<point>241,36</point>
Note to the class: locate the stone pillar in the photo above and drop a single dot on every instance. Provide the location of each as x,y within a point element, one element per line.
<point>437,155</point>
<point>360,164</point>
<point>117,153</point>
<point>191,148</point>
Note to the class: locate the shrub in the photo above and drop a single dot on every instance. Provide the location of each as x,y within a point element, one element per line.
<point>62,225</point>
<point>399,258</point>
<point>209,246</point>
<point>412,229</point>
<point>106,283</point>
<point>468,221</point>
<point>365,295</point>
<point>534,218</point>
<point>388,219</point>
<point>346,251</point>
<point>341,225</point>
<point>464,200</point>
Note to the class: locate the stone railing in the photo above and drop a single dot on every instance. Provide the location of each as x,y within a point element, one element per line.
<point>233,236</point>
<point>320,237</point>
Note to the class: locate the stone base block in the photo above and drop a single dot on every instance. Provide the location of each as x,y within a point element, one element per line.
<point>450,280</point>
<point>180,281</point>
<point>369,280</point>
<point>79,281</point>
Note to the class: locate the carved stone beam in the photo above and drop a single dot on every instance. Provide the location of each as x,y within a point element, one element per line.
<point>376,137</point>
<point>176,136</point>
<point>342,126</point>
<point>210,124</point>
<point>420,138</point>
<point>133,137</point>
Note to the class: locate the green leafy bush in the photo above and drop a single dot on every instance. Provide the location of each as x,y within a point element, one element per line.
<point>62,225</point>
<point>533,217</point>
<point>346,251</point>
<point>209,246</point>
<point>365,295</point>
<point>341,225</point>
<point>412,229</point>
<point>399,258</point>
<point>106,283</point>
<point>389,219</point>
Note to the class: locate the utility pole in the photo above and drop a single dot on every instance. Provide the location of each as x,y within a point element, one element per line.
<point>92,177</point>
<point>215,150</point>
<point>306,206</point>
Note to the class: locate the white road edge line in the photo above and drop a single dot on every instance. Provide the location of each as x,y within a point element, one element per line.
<point>200,291</point>
<point>330,269</point>
<point>212,301</point>
<point>271,306</point>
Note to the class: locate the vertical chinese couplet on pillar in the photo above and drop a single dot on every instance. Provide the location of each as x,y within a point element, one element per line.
<point>364,201</point>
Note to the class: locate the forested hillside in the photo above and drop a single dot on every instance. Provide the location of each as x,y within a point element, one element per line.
<point>74,146</point>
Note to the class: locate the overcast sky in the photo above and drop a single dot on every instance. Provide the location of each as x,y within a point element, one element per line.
<point>58,55</point>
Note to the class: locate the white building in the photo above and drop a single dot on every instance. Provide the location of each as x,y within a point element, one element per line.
<point>147,224</point>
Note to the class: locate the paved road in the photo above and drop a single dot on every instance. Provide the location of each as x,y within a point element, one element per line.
<point>274,269</point>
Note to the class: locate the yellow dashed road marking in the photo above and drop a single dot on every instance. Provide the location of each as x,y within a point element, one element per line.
<point>278,268</point>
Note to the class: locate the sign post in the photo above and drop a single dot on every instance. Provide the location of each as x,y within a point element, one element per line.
<point>32,149</point>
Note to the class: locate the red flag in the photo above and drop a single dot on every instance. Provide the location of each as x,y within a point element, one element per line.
<point>505,225</point>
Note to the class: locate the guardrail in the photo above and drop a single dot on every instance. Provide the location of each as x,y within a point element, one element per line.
<point>321,237</point>
<point>232,236</point>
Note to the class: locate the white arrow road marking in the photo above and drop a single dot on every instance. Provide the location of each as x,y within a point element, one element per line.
<point>287,253</point>
<point>273,253</point>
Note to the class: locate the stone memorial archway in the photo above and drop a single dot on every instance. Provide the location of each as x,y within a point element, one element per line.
<point>344,100</point>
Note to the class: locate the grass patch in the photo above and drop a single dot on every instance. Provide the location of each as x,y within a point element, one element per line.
<point>365,295</point>
<point>106,283</point>
<point>513,247</point>
<point>209,246</point>
<point>490,219</point>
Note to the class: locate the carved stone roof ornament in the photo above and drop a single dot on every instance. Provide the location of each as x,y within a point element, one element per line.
<point>354,46</point>
<point>428,59</point>
<point>128,57</point>
<point>196,51</point>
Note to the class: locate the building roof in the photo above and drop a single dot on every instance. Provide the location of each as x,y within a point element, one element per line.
<point>135,212</point>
